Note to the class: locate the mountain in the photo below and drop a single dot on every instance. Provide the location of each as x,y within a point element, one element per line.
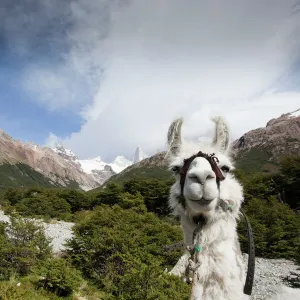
<point>96,168</point>
<point>28,164</point>
<point>152,167</point>
<point>139,155</point>
<point>57,170</point>
<point>264,147</point>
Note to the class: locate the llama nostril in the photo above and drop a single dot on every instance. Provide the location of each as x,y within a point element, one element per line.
<point>201,178</point>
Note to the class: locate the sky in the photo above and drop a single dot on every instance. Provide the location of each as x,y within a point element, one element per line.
<point>104,76</point>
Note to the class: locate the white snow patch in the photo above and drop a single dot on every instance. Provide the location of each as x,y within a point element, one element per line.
<point>120,163</point>
<point>88,165</point>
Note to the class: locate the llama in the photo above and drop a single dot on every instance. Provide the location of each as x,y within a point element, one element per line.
<point>201,201</point>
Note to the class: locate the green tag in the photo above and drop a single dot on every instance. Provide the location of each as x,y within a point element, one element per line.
<point>198,248</point>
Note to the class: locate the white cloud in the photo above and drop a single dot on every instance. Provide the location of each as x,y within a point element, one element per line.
<point>190,58</point>
<point>147,62</point>
<point>52,140</point>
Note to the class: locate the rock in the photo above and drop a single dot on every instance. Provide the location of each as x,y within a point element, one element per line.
<point>281,136</point>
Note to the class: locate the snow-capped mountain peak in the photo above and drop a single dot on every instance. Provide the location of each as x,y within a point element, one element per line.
<point>120,163</point>
<point>65,153</point>
<point>98,169</point>
<point>88,165</point>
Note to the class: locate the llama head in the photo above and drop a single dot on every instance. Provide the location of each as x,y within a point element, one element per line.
<point>201,191</point>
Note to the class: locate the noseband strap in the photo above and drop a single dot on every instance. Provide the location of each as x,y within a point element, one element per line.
<point>211,158</point>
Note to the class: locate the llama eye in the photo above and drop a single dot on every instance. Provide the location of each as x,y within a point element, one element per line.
<point>225,169</point>
<point>176,169</point>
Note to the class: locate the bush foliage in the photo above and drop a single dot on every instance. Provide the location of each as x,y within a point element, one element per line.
<point>122,252</point>
<point>22,245</point>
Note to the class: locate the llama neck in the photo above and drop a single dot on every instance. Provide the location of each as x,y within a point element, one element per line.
<point>221,229</point>
<point>219,263</point>
<point>213,231</point>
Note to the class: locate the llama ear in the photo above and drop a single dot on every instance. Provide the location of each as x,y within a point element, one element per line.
<point>221,138</point>
<point>174,136</point>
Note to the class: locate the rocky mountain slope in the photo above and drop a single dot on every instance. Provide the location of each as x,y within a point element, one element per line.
<point>264,147</point>
<point>23,164</point>
<point>59,170</point>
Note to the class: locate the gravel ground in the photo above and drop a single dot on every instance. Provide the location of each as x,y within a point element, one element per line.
<point>269,273</point>
<point>268,279</point>
<point>58,231</point>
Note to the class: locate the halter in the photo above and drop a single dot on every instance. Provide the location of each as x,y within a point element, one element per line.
<point>213,160</point>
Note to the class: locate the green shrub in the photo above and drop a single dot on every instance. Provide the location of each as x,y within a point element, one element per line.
<point>58,276</point>
<point>46,203</point>
<point>136,202</point>
<point>14,289</point>
<point>40,205</point>
<point>77,200</point>
<point>155,193</point>
<point>22,245</point>
<point>276,229</point>
<point>114,247</point>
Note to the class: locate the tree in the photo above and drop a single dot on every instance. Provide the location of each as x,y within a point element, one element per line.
<point>276,229</point>
<point>155,193</point>
<point>78,200</point>
<point>22,244</point>
<point>289,180</point>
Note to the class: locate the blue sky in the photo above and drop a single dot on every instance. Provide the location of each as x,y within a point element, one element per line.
<point>105,76</point>
<point>22,44</point>
<point>20,115</point>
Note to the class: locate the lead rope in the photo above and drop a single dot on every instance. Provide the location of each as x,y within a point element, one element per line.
<point>196,249</point>
<point>194,263</point>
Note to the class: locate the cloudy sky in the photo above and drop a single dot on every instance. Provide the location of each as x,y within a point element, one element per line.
<point>104,76</point>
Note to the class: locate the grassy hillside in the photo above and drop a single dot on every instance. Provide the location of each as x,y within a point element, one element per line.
<point>141,172</point>
<point>255,160</point>
<point>21,175</point>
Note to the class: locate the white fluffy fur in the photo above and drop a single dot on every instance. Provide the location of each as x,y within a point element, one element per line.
<point>221,274</point>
